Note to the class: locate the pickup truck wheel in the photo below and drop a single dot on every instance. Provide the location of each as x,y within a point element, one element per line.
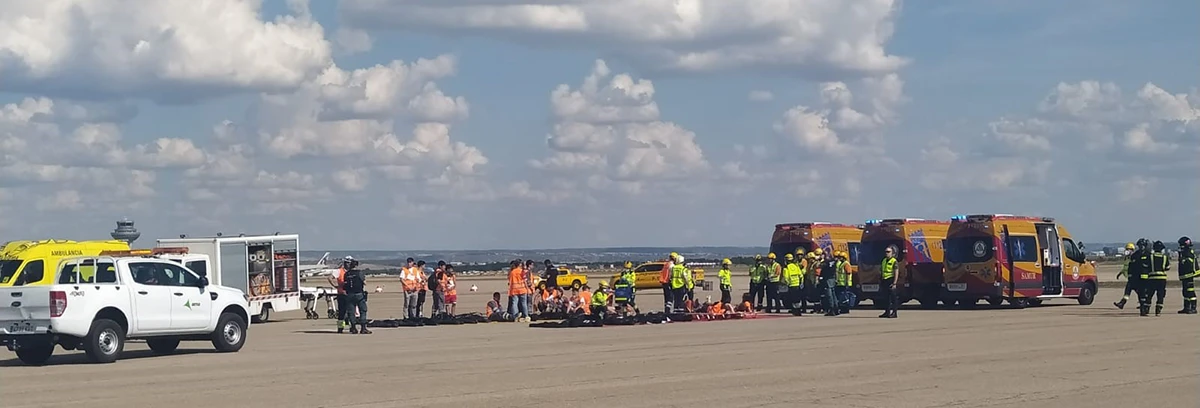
<point>105,341</point>
<point>576,285</point>
<point>163,345</point>
<point>230,334</point>
<point>35,353</point>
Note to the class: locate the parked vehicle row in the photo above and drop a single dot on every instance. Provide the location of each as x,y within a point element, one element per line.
<point>995,258</point>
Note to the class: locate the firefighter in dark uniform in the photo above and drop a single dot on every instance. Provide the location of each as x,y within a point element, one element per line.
<point>1139,265</point>
<point>1155,279</point>
<point>1187,275</point>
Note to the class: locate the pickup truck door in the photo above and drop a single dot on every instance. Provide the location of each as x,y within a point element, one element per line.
<point>151,297</point>
<point>191,306</point>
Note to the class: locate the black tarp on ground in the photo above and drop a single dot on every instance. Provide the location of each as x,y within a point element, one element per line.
<point>470,318</point>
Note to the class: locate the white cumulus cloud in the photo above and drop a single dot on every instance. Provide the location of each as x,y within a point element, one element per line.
<point>163,49</point>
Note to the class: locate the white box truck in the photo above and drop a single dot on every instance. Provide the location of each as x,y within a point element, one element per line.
<point>266,267</point>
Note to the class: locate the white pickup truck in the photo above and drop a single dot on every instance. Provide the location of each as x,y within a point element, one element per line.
<point>99,302</point>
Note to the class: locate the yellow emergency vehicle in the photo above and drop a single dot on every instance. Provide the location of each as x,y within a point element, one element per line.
<point>647,275</point>
<point>1021,259</point>
<point>567,278</point>
<point>34,262</point>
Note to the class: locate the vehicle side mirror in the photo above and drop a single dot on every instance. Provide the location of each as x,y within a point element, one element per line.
<point>203,282</point>
<point>1082,246</point>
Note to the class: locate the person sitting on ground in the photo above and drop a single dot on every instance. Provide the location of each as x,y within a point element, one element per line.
<point>572,303</point>
<point>601,304</point>
<point>746,308</point>
<point>585,299</point>
<point>494,309</point>
<point>546,300</point>
<point>560,303</point>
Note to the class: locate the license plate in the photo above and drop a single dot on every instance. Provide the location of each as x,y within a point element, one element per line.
<point>870,288</point>
<point>956,287</point>
<point>21,328</point>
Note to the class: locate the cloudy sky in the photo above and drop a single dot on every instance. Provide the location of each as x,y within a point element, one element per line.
<point>454,124</point>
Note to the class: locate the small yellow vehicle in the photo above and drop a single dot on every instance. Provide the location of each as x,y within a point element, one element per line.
<point>648,273</point>
<point>566,278</point>
<point>34,262</point>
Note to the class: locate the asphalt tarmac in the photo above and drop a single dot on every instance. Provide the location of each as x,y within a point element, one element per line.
<point>1059,354</point>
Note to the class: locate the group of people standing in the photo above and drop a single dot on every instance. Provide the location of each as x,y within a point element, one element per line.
<point>1146,266</point>
<point>416,283</point>
<point>817,274</point>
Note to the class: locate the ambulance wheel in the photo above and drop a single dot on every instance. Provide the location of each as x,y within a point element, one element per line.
<point>576,284</point>
<point>1035,302</point>
<point>996,301</point>
<point>949,302</point>
<point>968,303</point>
<point>1087,295</point>
<point>1019,303</point>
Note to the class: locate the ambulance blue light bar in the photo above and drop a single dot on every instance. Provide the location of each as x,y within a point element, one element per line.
<point>959,217</point>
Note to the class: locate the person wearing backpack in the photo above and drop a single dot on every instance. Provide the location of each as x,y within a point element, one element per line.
<point>356,297</point>
<point>435,286</point>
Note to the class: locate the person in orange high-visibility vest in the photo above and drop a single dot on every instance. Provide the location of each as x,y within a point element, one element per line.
<point>410,278</point>
<point>450,283</point>
<point>337,280</point>
<point>664,278</point>
<point>518,292</point>
<point>423,290</point>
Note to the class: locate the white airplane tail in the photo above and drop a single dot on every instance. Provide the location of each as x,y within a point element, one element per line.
<point>323,259</point>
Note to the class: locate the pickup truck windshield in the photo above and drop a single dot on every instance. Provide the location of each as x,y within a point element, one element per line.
<point>8,269</point>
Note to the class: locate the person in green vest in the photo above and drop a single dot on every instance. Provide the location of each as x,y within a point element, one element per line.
<point>774,276</point>
<point>887,283</point>
<point>629,275</point>
<point>680,281</point>
<point>845,282</point>
<point>726,278</point>
<point>793,277</point>
<point>811,281</point>
<point>600,300</point>
<point>757,274</point>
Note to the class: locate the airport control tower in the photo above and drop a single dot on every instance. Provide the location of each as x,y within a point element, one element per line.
<point>125,231</point>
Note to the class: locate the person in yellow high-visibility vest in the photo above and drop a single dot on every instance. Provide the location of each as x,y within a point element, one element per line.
<point>726,278</point>
<point>680,281</point>
<point>774,276</point>
<point>887,284</point>
<point>845,281</point>
<point>758,274</point>
<point>793,277</point>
